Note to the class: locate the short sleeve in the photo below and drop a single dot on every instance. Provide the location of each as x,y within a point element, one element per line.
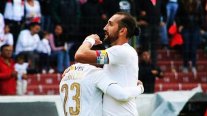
<point>117,54</point>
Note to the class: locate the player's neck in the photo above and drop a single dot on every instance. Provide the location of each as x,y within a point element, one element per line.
<point>120,41</point>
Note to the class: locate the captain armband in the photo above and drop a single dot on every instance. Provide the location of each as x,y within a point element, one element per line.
<point>102,57</point>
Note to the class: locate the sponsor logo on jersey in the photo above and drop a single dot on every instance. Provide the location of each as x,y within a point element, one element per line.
<point>75,72</point>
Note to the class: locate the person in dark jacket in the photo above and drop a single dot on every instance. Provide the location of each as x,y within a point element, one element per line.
<point>203,31</point>
<point>149,14</point>
<point>65,12</point>
<point>92,18</point>
<point>148,72</point>
<point>189,22</point>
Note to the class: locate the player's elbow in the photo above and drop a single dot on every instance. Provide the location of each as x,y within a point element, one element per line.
<point>79,57</point>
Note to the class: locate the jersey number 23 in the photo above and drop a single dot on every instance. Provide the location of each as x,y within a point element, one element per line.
<point>76,98</point>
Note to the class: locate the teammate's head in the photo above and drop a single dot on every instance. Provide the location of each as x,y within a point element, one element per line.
<point>119,25</point>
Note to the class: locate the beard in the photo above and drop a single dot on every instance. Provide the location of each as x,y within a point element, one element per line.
<point>110,39</point>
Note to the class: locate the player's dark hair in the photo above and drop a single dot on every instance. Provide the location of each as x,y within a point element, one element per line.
<point>129,22</point>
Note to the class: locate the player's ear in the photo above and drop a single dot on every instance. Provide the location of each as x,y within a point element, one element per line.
<point>123,30</point>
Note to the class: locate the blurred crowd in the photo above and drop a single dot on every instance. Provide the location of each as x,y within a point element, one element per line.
<point>44,34</point>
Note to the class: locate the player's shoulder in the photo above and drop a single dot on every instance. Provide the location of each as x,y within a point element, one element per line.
<point>84,68</point>
<point>122,49</point>
<point>125,46</point>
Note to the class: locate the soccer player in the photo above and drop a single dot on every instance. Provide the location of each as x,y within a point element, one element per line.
<point>120,61</point>
<point>80,90</point>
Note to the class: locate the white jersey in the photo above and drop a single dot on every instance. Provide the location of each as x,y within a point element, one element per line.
<point>122,68</point>
<point>80,90</point>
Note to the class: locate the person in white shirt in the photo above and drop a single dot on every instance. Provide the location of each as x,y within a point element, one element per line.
<point>8,10</point>
<point>82,87</point>
<point>32,11</point>
<point>13,15</point>
<point>27,43</point>
<point>17,10</point>
<point>21,68</point>
<point>120,61</point>
<point>8,37</point>
<point>44,51</point>
<point>1,29</point>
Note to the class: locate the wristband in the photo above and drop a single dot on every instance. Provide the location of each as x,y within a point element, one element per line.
<point>89,40</point>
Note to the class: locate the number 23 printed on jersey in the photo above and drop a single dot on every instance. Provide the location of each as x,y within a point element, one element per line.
<point>74,111</point>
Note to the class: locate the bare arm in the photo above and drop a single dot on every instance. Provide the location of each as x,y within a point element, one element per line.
<point>84,53</point>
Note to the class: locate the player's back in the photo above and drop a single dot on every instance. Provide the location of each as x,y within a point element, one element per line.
<point>79,93</point>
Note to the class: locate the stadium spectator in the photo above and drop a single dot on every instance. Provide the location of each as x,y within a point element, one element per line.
<point>148,15</point>
<point>171,8</point>
<point>32,11</point>
<point>44,51</point>
<point>21,68</point>
<point>59,48</point>
<point>55,11</point>
<point>164,34</point>
<point>148,72</point>
<point>92,17</point>
<point>68,18</point>
<point>27,43</point>
<point>189,23</point>
<point>7,73</point>
<point>1,29</point>
<point>14,13</point>
<point>2,5</point>
<point>204,24</point>
<point>14,10</point>
<point>46,21</point>
<point>8,37</point>
<point>8,11</point>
